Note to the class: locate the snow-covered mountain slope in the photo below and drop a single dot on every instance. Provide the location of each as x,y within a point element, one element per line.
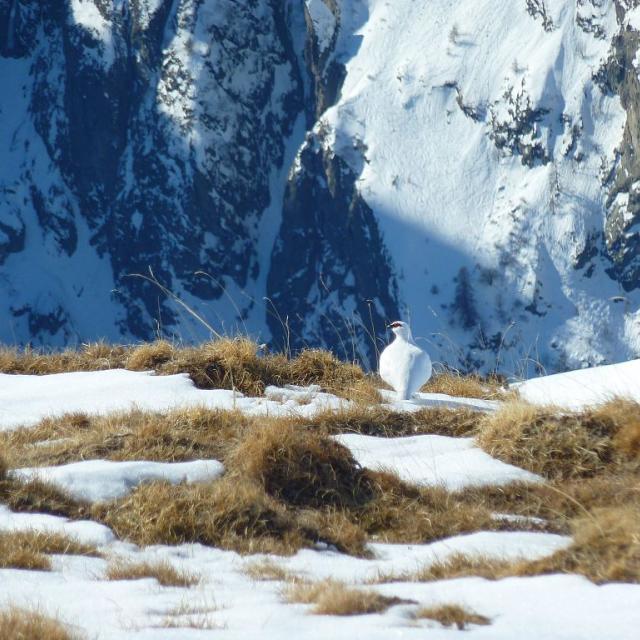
<point>306,170</point>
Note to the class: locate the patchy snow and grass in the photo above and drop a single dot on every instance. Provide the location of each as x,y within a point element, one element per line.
<point>27,399</point>
<point>84,531</point>
<point>99,480</point>
<point>400,558</point>
<point>239,607</point>
<point>227,601</point>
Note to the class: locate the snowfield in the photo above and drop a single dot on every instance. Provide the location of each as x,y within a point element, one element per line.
<point>227,602</point>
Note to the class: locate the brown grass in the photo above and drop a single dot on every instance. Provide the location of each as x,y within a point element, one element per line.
<point>163,571</point>
<point>454,383</point>
<point>150,356</point>
<point>605,548</point>
<point>307,470</point>
<point>296,485</point>
<point>39,497</point>
<point>193,433</point>
<point>457,565</point>
<point>89,357</point>
<point>22,624</point>
<point>561,445</point>
<point>401,513</point>
<point>289,485</point>
<point>230,513</point>
<point>176,436</point>
<point>225,363</point>
<point>625,416</point>
<point>449,615</point>
<point>4,467</point>
<point>335,599</point>
<point>378,421</point>
<point>301,467</point>
<point>267,570</point>
<point>28,549</point>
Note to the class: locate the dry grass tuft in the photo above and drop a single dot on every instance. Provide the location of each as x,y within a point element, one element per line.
<point>163,571</point>
<point>21,624</point>
<point>449,615</point>
<point>316,366</point>
<point>335,599</point>
<point>180,435</point>
<point>554,444</point>
<point>363,391</point>
<point>90,357</point>
<point>453,383</point>
<point>401,513</point>
<point>150,356</point>
<point>557,502</point>
<point>238,364</point>
<point>301,467</point>
<point>28,549</point>
<point>187,434</point>
<point>3,468</point>
<point>229,513</point>
<point>225,363</point>
<point>625,416</point>
<point>457,565</point>
<point>606,548</point>
<point>379,421</point>
<point>339,528</point>
<point>267,570</point>
<point>188,615</point>
<point>39,497</point>
<point>228,364</point>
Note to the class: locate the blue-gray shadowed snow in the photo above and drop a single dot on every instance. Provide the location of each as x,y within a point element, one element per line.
<point>472,169</point>
<point>403,364</point>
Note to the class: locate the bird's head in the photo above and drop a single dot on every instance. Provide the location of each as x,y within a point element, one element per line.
<point>401,329</point>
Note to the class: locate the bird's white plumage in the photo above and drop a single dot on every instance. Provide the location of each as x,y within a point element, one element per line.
<point>403,364</point>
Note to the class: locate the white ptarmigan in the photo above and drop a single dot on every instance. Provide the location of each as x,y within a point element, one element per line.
<point>403,364</point>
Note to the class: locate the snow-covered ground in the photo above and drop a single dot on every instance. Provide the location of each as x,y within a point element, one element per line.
<point>227,602</point>
<point>585,387</point>
<point>453,463</point>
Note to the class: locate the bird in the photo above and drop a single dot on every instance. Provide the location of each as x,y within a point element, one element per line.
<point>403,364</point>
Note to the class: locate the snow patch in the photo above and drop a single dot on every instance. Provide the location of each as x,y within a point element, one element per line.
<point>324,22</point>
<point>101,480</point>
<point>26,399</point>
<point>83,531</point>
<point>430,460</point>
<point>86,14</point>
<point>585,387</point>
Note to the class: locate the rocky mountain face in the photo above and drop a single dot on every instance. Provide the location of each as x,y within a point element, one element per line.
<point>306,170</point>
